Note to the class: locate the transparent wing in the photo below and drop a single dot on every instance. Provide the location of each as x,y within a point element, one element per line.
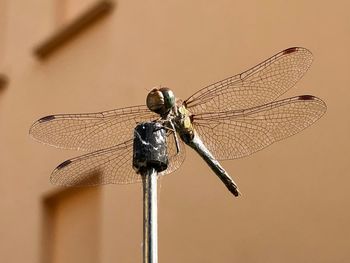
<point>259,85</point>
<point>90,131</point>
<point>235,134</point>
<point>109,166</point>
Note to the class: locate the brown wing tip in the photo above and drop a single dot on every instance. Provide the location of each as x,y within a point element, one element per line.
<point>290,50</point>
<point>307,97</point>
<point>314,99</point>
<point>47,118</point>
<point>64,164</point>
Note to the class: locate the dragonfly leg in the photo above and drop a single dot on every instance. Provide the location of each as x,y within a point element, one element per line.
<point>172,128</point>
<point>175,137</point>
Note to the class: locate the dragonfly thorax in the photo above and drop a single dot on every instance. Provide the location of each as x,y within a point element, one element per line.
<point>160,100</point>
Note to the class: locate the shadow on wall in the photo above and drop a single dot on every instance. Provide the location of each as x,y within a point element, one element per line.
<point>70,225</point>
<point>3,82</point>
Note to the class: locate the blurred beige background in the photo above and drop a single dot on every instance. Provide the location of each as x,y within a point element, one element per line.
<point>295,199</point>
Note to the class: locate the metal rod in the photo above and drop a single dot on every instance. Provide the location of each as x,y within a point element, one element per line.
<point>150,158</point>
<point>150,216</point>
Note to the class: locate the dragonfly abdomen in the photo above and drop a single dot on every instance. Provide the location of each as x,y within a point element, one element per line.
<point>197,144</point>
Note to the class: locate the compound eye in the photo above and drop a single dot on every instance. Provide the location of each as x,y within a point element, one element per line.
<point>169,98</point>
<point>155,101</point>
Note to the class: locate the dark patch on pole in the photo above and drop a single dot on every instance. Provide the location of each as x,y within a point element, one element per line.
<point>150,150</point>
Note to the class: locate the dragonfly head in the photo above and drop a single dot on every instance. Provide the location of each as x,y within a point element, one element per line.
<point>160,100</point>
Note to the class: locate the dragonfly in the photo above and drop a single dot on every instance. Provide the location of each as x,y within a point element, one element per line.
<point>228,119</point>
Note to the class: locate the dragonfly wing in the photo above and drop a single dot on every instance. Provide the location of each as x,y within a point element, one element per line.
<point>235,134</point>
<point>109,166</point>
<point>259,85</point>
<point>90,131</point>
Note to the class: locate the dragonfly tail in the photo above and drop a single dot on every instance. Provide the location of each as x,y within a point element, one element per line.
<point>197,144</point>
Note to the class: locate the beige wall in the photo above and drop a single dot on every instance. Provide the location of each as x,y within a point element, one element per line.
<point>295,193</point>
